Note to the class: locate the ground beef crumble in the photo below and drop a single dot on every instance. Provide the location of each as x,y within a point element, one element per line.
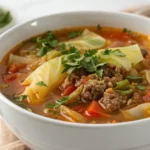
<point>112,101</point>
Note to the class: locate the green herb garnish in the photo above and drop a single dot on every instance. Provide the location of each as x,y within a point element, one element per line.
<point>134,77</point>
<point>89,61</point>
<point>21,97</point>
<point>74,34</point>
<point>99,27</point>
<point>129,31</point>
<point>116,52</point>
<point>58,103</point>
<point>46,44</point>
<point>5,18</point>
<point>41,83</point>
<point>140,87</point>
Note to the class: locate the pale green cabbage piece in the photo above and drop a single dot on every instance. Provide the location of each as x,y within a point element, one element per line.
<point>87,40</point>
<point>138,112</point>
<point>133,56</point>
<point>20,59</point>
<point>50,73</point>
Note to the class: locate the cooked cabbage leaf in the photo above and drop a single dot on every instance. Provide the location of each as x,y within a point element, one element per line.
<point>87,40</point>
<point>50,73</point>
<point>138,112</point>
<point>132,56</point>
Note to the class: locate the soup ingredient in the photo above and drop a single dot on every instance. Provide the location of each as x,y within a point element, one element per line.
<point>147,73</point>
<point>5,17</point>
<point>138,112</point>
<point>130,77</point>
<point>75,95</point>
<point>96,110</point>
<point>16,67</point>
<point>69,90</point>
<point>4,85</point>
<point>58,103</point>
<point>41,83</point>
<point>50,73</point>
<point>71,115</point>
<point>99,27</point>
<point>87,40</point>
<point>46,44</point>
<point>129,31</point>
<point>132,55</point>
<point>112,101</point>
<point>21,97</point>
<point>74,34</point>
<point>53,54</point>
<point>140,87</point>
<point>20,59</point>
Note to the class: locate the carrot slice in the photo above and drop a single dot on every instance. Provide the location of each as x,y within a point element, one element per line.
<point>69,90</point>
<point>96,110</point>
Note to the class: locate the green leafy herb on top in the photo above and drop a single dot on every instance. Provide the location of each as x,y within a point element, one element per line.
<point>58,103</point>
<point>130,77</point>
<point>89,61</point>
<point>41,83</point>
<point>21,97</point>
<point>5,18</point>
<point>99,27</point>
<point>74,34</point>
<point>129,31</point>
<point>46,43</point>
<point>116,52</point>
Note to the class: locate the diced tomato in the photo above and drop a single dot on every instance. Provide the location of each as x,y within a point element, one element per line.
<point>96,110</point>
<point>146,98</point>
<point>147,57</point>
<point>69,90</point>
<point>80,109</point>
<point>16,67</point>
<point>10,77</point>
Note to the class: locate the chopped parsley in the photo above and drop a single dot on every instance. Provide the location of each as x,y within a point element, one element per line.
<point>41,83</point>
<point>116,52</point>
<point>46,44</point>
<point>21,97</point>
<point>125,30</point>
<point>58,103</point>
<point>74,34</point>
<point>99,27</point>
<point>75,60</point>
<point>125,93</point>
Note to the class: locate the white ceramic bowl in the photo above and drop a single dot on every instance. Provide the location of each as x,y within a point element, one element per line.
<point>41,133</point>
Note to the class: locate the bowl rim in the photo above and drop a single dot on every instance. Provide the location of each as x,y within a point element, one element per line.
<point>60,122</point>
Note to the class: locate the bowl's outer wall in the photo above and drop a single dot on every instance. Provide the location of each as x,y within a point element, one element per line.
<point>45,134</point>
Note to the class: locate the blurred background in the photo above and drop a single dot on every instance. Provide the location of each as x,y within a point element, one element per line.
<point>28,9</point>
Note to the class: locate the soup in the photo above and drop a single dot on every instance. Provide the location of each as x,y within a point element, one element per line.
<point>81,74</point>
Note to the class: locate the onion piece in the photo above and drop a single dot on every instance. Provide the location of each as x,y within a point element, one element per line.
<point>71,115</point>
<point>138,112</point>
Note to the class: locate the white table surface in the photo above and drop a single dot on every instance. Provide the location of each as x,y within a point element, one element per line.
<point>29,9</point>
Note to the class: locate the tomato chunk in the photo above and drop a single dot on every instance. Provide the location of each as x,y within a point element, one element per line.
<point>96,110</point>
<point>16,67</point>
<point>146,98</point>
<point>69,90</point>
<point>10,77</point>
